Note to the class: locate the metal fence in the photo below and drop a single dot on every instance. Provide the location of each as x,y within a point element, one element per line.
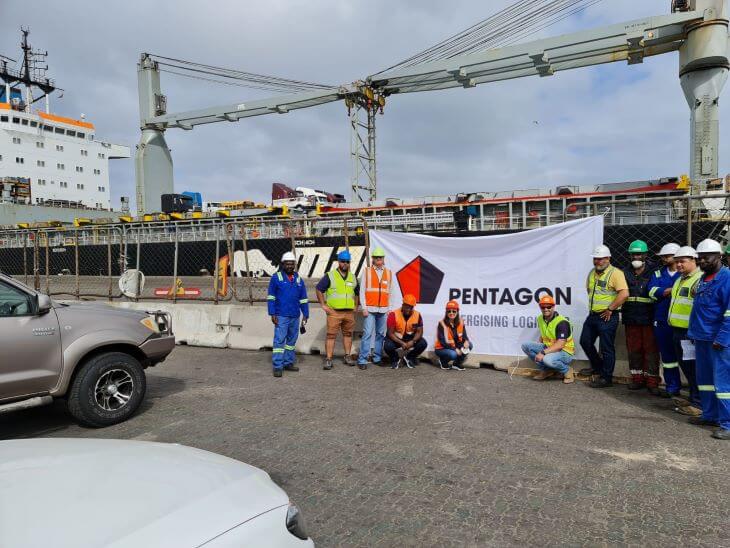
<point>231,260</point>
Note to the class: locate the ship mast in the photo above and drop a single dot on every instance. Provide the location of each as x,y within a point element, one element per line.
<point>32,74</point>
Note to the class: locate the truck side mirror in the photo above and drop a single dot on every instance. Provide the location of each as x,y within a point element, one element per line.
<point>43,304</point>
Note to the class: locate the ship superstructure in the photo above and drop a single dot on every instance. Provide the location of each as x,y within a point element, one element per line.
<point>66,165</point>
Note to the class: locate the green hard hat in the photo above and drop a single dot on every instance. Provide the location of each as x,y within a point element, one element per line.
<point>727,250</point>
<point>638,246</point>
<point>378,252</point>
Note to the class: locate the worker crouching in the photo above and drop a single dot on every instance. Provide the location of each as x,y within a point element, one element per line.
<point>555,351</point>
<point>404,340</point>
<point>452,343</point>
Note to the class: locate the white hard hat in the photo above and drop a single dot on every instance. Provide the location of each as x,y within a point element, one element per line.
<point>686,251</point>
<point>669,249</point>
<point>601,252</point>
<point>709,246</point>
<point>288,256</point>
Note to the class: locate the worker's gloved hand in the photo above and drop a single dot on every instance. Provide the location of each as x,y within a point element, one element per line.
<point>274,320</point>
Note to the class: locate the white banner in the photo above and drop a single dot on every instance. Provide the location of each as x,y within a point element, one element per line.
<point>497,280</point>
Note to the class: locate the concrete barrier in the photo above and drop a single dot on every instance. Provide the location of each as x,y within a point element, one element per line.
<point>249,328</point>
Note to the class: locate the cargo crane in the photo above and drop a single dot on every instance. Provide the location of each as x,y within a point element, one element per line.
<point>698,29</point>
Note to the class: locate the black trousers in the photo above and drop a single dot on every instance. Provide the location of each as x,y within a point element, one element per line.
<point>392,349</point>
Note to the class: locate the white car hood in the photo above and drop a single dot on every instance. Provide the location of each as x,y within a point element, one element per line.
<point>84,492</point>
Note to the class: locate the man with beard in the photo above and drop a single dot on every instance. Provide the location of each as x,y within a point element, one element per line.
<point>709,327</point>
<point>607,291</point>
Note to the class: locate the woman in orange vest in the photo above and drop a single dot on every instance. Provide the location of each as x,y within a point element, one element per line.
<point>375,299</point>
<point>452,344</point>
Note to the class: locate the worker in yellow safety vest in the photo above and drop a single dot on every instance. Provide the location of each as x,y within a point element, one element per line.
<point>556,348</point>
<point>680,308</point>
<point>375,285</point>
<point>607,291</point>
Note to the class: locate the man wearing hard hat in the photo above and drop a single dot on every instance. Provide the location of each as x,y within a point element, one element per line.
<point>709,327</point>
<point>680,308</point>
<point>607,291</point>
<point>375,285</point>
<point>660,291</point>
<point>637,315</point>
<point>338,295</point>
<point>404,340</point>
<point>556,348</point>
<point>287,299</point>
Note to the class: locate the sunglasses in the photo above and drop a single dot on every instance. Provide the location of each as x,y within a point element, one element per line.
<point>548,307</point>
<point>348,262</point>
<point>452,311</point>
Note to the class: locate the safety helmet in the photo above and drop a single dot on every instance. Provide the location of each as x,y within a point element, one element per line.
<point>547,300</point>
<point>709,246</point>
<point>344,255</point>
<point>409,299</point>
<point>727,250</point>
<point>601,252</point>
<point>686,251</point>
<point>378,252</point>
<point>668,249</point>
<point>638,246</point>
<point>288,256</point>
<point>452,305</point>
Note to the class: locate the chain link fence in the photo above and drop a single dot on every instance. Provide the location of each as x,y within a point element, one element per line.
<point>231,260</point>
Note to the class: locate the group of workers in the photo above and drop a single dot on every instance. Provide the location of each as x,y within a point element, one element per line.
<point>677,314</point>
<point>398,333</point>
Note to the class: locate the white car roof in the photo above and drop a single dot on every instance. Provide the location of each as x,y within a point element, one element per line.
<point>84,492</point>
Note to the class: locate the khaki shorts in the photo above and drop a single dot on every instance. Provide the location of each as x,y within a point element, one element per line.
<point>340,320</point>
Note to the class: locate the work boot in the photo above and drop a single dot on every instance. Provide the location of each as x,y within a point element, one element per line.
<point>721,434</point>
<point>291,368</point>
<point>689,410</point>
<point>277,372</point>
<point>444,367</point>
<point>362,366</point>
<point>457,367</point>
<point>348,360</point>
<point>600,383</point>
<point>637,382</point>
<point>395,364</point>
<point>699,421</point>
<point>327,364</point>
<point>408,363</point>
<point>543,375</point>
<point>588,372</point>
<point>680,401</point>
<point>654,391</point>
<point>569,377</point>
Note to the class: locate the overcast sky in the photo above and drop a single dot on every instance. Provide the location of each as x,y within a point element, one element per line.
<point>587,126</point>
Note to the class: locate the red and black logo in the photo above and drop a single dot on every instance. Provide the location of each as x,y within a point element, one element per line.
<point>421,279</point>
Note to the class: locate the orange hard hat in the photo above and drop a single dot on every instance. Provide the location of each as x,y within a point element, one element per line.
<point>452,305</point>
<point>409,299</point>
<point>547,299</point>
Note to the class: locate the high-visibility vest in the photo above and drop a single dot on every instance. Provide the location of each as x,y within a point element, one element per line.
<point>682,299</point>
<point>377,289</point>
<point>547,332</point>
<point>600,295</point>
<point>449,336</point>
<point>340,295</point>
<point>405,327</point>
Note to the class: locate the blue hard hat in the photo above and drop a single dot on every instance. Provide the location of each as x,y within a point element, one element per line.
<point>344,256</point>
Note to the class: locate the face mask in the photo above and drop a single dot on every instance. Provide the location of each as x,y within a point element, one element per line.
<point>637,264</point>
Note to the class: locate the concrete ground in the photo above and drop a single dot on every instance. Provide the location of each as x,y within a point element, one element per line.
<point>438,458</point>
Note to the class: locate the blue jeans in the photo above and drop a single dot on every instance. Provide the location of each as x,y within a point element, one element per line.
<point>559,361</point>
<point>595,328</point>
<point>373,325</point>
<point>286,332</point>
<point>447,355</point>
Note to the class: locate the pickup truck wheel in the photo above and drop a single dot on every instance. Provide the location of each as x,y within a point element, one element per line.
<point>108,389</point>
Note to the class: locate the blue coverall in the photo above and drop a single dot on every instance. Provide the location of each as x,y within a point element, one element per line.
<point>709,323</point>
<point>660,280</point>
<point>287,299</point>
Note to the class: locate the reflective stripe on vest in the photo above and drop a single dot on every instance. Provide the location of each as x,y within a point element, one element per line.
<point>548,336</point>
<point>600,296</point>
<point>682,299</point>
<point>405,327</point>
<point>449,336</point>
<point>376,290</point>
<point>640,299</point>
<point>340,294</point>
